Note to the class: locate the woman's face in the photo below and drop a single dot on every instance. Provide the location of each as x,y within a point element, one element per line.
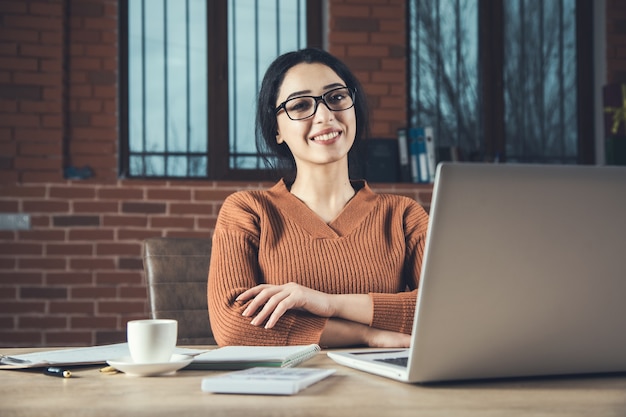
<point>326,136</point>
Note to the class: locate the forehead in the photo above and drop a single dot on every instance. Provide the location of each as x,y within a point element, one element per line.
<point>305,78</point>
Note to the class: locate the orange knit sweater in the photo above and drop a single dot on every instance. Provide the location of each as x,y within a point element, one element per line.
<point>374,246</point>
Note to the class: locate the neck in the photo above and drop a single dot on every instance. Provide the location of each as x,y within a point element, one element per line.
<point>325,193</point>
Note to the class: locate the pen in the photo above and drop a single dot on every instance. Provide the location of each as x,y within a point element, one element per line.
<point>58,372</point>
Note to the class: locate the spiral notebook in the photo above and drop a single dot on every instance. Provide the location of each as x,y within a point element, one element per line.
<point>243,357</point>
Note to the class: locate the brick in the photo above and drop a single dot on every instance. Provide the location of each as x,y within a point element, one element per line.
<point>6,263</point>
<point>120,193</point>
<point>38,134</point>
<point>70,338</point>
<point>129,221</point>
<point>8,293</point>
<point>355,24</point>
<point>130,263</point>
<point>35,78</point>
<point>33,22</point>
<point>20,277</point>
<point>17,63</point>
<point>39,149</point>
<point>41,235</point>
<point>9,206</point>
<point>118,248</point>
<point>45,206</point>
<point>20,35</point>
<point>41,176</point>
<point>37,163</point>
<point>86,36</point>
<point>211,195</point>
<point>17,92</point>
<point>119,277</point>
<point>43,292</point>
<point>101,77</point>
<point>70,307</point>
<point>137,292</point>
<point>45,264</point>
<point>69,278</point>
<point>137,234</point>
<point>105,338</point>
<point>168,222</point>
<point>207,223</point>
<point>93,322</point>
<point>148,208</point>
<point>72,192</point>
<point>91,264</point>
<point>7,106</point>
<point>13,7</point>
<point>120,307</point>
<point>18,248</point>
<point>40,221</point>
<point>69,249</point>
<point>7,323</point>
<point>47,9</point>
<point>16,307</point>
<point>168,194</point>
<point>81,207</point>
<point>91,235</point>
<point>18,120</point>
<point>191,208</point>
<point>42,322</point>
<point>73,221</point>
<point>94,293</point>
<point>20,338</point>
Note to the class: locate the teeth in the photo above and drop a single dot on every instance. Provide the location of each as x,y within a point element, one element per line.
<point>327,136</point>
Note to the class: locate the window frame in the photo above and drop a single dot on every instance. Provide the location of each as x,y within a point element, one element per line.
<point>491,79</point>
<point>217,93</point>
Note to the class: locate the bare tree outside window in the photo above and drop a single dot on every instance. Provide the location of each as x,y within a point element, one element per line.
<point>538,71</point>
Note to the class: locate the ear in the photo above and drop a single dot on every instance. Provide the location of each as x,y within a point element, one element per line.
<point>279,139</point>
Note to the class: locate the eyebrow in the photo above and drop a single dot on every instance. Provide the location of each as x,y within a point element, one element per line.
<point>326,87</point>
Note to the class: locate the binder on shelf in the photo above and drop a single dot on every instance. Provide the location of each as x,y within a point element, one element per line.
<point>431,154</point>
<point>403,156</point>
<point>381,162</point>
<point>417,155</point>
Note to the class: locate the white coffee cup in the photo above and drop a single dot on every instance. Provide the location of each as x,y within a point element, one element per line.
<point>151,340</point>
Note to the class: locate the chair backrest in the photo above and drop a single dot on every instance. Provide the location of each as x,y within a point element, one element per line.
<point>176,274</point>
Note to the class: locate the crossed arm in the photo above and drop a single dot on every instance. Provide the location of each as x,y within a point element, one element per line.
<point>350,314</point>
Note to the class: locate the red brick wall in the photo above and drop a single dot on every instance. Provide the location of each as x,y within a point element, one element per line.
<point>75,277</point>
<point>369,35</point>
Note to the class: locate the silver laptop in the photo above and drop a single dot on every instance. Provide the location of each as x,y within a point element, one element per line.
<point>524,274</point>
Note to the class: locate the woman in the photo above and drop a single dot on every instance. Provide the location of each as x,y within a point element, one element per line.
<point>317,258</point>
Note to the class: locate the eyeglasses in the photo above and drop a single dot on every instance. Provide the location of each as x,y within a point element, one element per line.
<point>303,107</point>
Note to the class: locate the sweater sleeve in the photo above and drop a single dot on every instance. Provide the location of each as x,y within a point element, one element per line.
<point>396,312</point>
<point>234,268</point>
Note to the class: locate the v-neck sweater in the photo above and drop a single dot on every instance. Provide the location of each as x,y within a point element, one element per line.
<point>374,246</point>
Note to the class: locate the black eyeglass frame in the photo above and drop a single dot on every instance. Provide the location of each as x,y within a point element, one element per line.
<point>322,98</point>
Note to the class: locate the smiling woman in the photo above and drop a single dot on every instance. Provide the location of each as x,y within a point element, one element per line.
<point>319,257</point>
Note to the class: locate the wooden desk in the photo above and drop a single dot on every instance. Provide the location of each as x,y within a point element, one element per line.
<point>347,393</point>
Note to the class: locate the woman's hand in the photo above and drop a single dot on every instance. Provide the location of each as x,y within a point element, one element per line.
<point>274,300</point>
<point>342,333</point>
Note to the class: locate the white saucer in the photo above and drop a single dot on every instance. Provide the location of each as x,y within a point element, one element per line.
<point>130,368</point>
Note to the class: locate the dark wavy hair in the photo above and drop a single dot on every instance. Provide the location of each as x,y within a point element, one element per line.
<point>278,156</point>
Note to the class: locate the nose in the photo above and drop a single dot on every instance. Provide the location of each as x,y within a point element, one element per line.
<point>325,113</point>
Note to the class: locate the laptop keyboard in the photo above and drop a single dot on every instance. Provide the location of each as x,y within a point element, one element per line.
<point>403,361</point>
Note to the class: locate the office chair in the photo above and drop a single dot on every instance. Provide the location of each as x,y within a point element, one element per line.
<point>176,274</point>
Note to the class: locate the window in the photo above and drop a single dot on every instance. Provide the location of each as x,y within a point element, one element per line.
<point>190,73</point>
<point>503,80</point>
